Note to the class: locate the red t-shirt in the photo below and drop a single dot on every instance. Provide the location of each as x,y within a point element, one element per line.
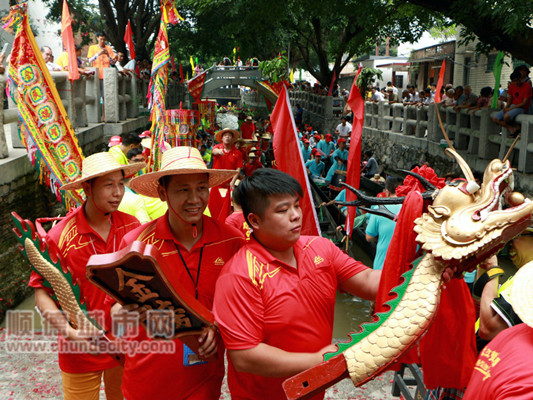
<point>249,169</point>
<point>238,222</point>
<point>163,376</point>
<point>247,130</point>
<point>518,94</point>
<point>503,370</point>
<point>230,160</point>
<point>259,299</point>
<point>77,242</point>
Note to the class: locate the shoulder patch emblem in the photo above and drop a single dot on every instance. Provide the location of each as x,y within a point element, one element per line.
<point>318,260</point>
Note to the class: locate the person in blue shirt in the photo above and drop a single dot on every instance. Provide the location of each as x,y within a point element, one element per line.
<point>306,150</point>
<point>339,159</point>
<point>326,147</point>
<point>315,167</point>
<point>380,229</point>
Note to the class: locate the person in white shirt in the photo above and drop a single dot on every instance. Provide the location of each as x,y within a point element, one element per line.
<point>377,95</point>
<point>48,59</point>
<point>344,128</point>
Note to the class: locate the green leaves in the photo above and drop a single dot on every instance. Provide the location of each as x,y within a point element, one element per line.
<point>276,69</point>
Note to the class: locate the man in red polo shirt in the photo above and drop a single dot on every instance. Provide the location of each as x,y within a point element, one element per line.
<point>503,370</point>
<point>94,228</point>
<point>252,164</point>
<point>225,155</point>
<point>275,299</point>
<point>247,128</point>
<point>197,247</point>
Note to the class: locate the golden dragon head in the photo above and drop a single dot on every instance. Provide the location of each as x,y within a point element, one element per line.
<point>467,223</point>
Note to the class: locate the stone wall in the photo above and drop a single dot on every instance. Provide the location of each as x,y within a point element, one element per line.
<point>395,151</point>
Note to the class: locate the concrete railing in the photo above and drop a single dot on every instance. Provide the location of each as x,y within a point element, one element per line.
<point>123,98</point>
<point>473,132</point>
<point>322,112</point>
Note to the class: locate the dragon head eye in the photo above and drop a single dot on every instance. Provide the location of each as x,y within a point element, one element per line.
<point>498,167</point>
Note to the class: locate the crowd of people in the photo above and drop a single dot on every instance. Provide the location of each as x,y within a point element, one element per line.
<point>511,101</point>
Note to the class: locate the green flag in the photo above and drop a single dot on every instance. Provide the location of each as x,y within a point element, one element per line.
<point>497,71</point>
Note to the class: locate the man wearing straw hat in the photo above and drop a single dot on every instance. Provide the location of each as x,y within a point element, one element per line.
<point>248,128</point>
<point>225,155</point>
<point>94,228</point>
<point>503,369</point>
<point>197,247</point>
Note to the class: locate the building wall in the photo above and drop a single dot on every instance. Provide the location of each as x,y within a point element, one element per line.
<point>480,73</point>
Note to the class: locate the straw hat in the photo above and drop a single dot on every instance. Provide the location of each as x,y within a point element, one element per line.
<point>219,134</point>
<point>100,164</point>
<point>522,293</point>
<point>147,144</point>
<point>252,155</point>
<point>179,160</point>
<point>266,136</point>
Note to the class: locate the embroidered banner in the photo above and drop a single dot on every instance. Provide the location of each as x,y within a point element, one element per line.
<point>196,86</point>
<point>45,128</point>
<point>158,85</point>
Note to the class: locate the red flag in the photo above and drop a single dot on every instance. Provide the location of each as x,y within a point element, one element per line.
<point>332,82</point>
<point>128,38</point>
<point>196,86</point>
<point>219,205</point>
<point>181,73</point>
<point>68,43</point>
<point>289,158</point>
<point>440,82</point>
<point>353,175</point>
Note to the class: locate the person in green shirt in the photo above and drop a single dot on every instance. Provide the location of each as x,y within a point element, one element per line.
<point>129,141</point>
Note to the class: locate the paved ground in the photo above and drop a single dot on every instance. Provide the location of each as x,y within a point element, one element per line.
<point>37,376</point>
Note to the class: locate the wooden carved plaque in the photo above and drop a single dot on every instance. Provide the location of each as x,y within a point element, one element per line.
<point>139,274</point>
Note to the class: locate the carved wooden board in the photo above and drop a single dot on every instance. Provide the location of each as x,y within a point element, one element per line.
<point>139,274</point>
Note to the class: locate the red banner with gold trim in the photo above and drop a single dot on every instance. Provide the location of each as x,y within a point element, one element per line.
<point>196,86</point>
<point>45,128</point>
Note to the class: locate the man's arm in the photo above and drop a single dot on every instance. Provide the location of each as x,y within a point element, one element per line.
<point>371,239</point>
<point>266,360</point>
<point>365,284</point>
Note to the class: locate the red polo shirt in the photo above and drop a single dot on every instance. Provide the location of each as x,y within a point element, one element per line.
<point>238,222</point>
<point>503,369</point>
<point>249,169</point>
<point>247,130</point>
<point>77,242</point>
<point>163,376</point>
<point>259,299</point>
<point>230,160</point>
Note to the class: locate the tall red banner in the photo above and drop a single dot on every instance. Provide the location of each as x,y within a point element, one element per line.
<point>289,159</point>
<point>440,82</point>
<point>353,178</point>
<point>68,43</point>
<point>128,38</point>
<point>196,86</point>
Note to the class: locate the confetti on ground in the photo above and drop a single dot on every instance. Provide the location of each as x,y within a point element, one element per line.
<point>29,376</point>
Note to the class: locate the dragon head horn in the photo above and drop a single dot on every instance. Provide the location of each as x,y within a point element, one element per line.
<point>472,186</point>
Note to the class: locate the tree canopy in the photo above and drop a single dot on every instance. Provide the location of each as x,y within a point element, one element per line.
<point>504,24</point>
<point>112,17</point>
<point>314,33</point>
